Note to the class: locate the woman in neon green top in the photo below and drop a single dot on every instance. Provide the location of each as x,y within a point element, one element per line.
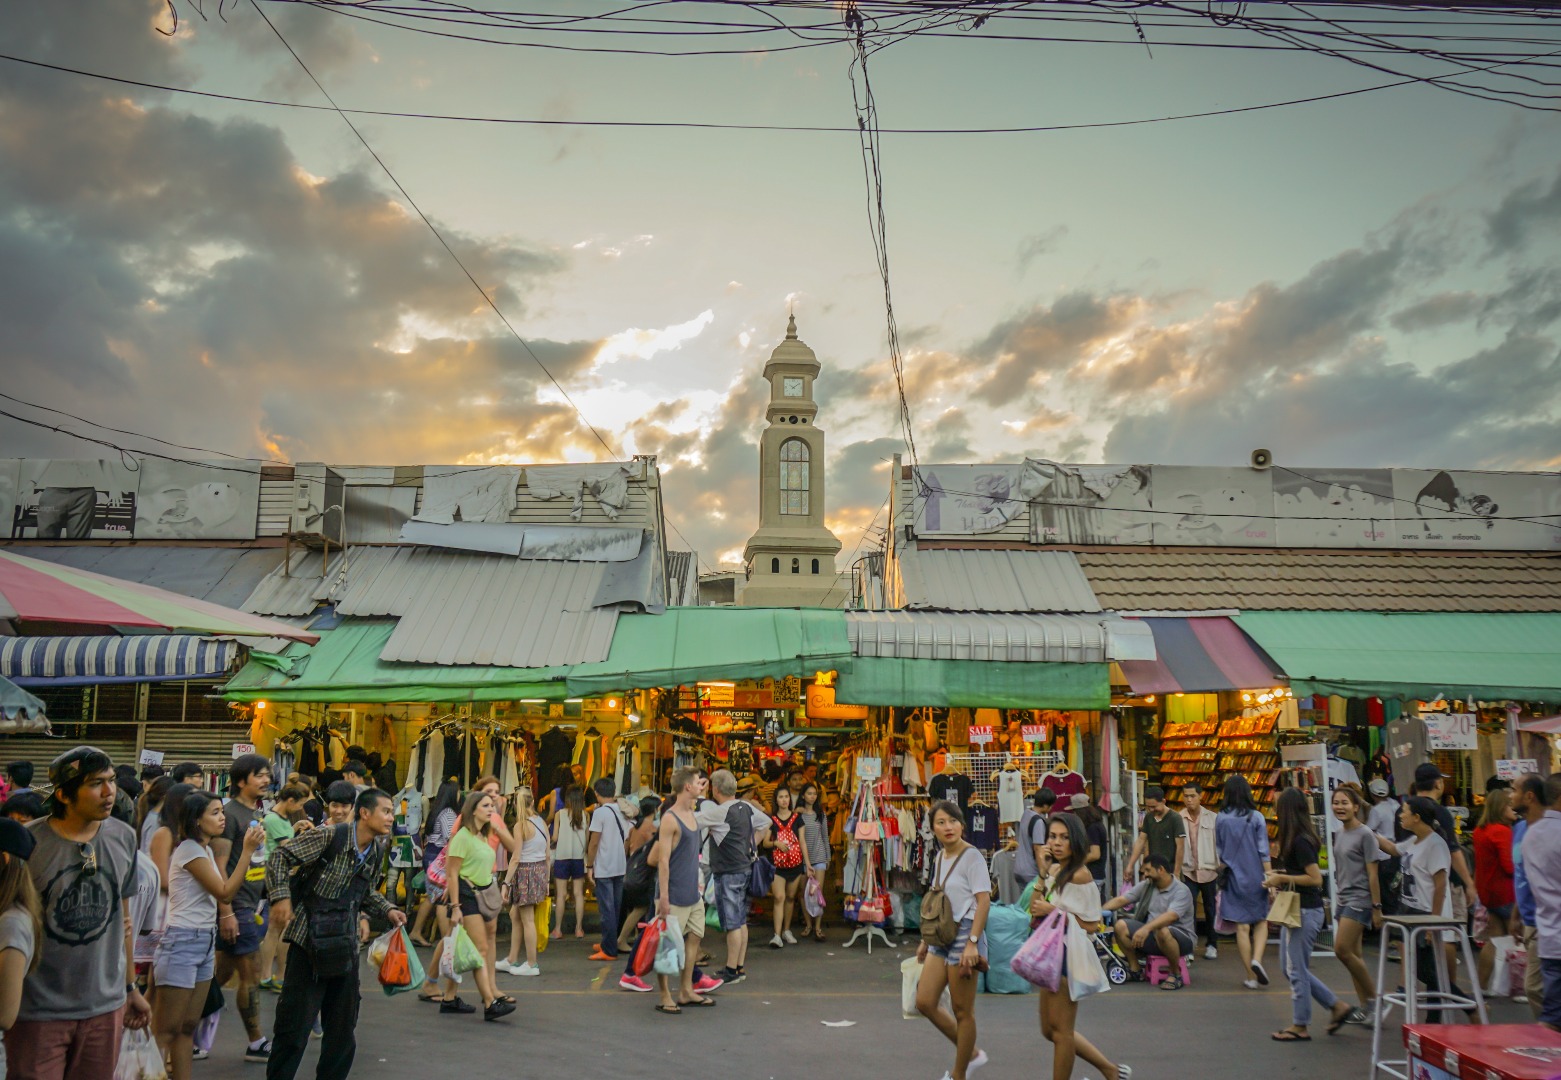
<point>469,871</point>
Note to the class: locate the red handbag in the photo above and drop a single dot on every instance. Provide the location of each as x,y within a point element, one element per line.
<point>645,955</point>
<point>873,910</point>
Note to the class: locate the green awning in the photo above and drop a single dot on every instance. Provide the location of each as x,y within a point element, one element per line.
<point>345,667</point>
<point>986,684</point>
<point>1454,654</point>
<point>694,644</point>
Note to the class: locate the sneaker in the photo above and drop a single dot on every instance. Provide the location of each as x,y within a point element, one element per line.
<point>456,1005</point>
<point>199,1055</point>
<point>788,938</point>
<point>776,942</point>
<point>1211,953</point>
<point>500,1008</point>
<point>976,1062</point>
<point>260,1054</point>
<point>508,968</point>
<point>318,1032</point>
<point>271,985</point>
<point>634,983</point>
<point>707,985</point>
<point>730,976</point>
<point>1262,975</point>
<point>528,970</point>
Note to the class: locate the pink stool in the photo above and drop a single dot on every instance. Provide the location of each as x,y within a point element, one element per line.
<point>1159,967</point>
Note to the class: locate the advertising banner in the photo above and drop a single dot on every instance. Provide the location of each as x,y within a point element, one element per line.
<point>179,500</point>
<point>966,500</point>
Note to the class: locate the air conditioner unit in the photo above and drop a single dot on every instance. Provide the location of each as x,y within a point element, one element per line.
<point>318,495</point>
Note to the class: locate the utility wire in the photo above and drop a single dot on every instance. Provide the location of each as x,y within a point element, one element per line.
<point>612,453</point>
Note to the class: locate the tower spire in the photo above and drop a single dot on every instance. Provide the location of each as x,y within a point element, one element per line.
<point>791,327</point>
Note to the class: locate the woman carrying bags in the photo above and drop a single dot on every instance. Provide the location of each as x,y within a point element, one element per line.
<point>1070,887</point>
<point>1298,870</point>
<point>469,879</point>
<point>815,840</point>
<point>186,954</point>
<point>526,887</point>
<point>962,874</point>
<point>1241,842</point>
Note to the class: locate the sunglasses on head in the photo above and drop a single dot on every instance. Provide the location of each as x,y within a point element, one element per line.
<point>89,859</point>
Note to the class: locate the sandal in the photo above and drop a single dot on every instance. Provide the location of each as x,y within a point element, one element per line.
<point>1171,982</point>
<point>1286,1035</point>
<point>818,935</point>
<point>670,1010</point>
<point>701,1003</point>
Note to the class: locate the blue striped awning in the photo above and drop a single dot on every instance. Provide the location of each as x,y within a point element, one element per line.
<point>84,661</point>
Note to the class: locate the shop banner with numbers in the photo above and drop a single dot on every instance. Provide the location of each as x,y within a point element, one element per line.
<point>1450,731</point>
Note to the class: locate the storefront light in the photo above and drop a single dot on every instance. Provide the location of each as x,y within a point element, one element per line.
<point>261,706</point>
<point>533,701</point>
<point>574,700</point>
<point>612,703</point>
<point>1246,697</point>
<point>631,718</point>
<point>1149,700</point>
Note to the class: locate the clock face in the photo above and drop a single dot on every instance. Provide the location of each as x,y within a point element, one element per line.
<point>791,387</point>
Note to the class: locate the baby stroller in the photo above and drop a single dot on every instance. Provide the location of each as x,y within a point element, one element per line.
<point>1106,948</point>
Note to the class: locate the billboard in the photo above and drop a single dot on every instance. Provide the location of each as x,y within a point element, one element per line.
<point>74,499</point>
<point>966,500</point>
<point>179,500</point>
<point>1088,504</point>
<point>1213,507</point>
<point>1334,508</point>
<point>1492,510</point>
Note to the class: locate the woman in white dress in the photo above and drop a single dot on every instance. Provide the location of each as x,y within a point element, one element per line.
<point>1068,885</point>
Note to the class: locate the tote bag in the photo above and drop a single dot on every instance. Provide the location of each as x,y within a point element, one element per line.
<point>1039,959</point>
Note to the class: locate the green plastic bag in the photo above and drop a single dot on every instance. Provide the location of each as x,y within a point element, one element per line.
<point>467,955</point>
<point>414,965</point>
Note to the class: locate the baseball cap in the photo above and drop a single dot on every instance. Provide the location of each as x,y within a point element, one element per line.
<point>16,839</point>
<point>1078,801</point>
<point>1428,774</point>
<point>69,765</point>
<point>1378,787</point>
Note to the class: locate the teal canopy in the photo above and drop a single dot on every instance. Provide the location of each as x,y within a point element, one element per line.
<point>976,684</point>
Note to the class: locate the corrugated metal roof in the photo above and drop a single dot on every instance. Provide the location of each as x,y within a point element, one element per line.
<point>682,579</point>
<point>466,608</point>
<point>941,635</point>
<point>297,589</point>
<point>218,575</point>
<point>1161,579</point>
<point>986,579</point>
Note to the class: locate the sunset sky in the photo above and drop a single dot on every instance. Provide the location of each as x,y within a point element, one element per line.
<point>1369,281</point>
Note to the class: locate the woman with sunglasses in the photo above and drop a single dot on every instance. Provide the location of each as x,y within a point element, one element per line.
<point>186,955</point>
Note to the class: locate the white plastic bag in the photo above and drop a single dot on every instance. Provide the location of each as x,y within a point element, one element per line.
<point>139,1058</point>
<point>669,950</point>
<point>910,979</point>
<point>1500,984</point>
<point>812,898</point>
<point>447,958</point>
<point>380,946</point>
<point>1085,975</point>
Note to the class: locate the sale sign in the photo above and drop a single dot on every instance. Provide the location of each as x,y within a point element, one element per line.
<point>1450,731</point>
<point>1033,733</point>
<point>980,734</point>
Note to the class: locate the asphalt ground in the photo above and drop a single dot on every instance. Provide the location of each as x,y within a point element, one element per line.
<point>574,1021</point>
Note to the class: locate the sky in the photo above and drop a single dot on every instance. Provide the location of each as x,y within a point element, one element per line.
<point>1369,282</point>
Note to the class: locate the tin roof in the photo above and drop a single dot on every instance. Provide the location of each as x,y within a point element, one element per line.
<point>298,588</point>
<point>1175,580</point>
<point>988,579</point>
<point>218,575</point>
<point>948,635</point>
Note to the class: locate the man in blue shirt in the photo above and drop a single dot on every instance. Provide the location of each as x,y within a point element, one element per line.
<point>1528,800</point>
<point>1542,867</point>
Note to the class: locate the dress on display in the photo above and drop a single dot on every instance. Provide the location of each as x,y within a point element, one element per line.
<point>1010,795</point>
<point>1241,840</point>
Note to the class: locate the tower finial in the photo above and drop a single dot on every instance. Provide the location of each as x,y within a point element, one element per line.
<point>791,327</point>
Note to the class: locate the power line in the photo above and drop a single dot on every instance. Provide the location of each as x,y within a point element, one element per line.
<point>450,250</point>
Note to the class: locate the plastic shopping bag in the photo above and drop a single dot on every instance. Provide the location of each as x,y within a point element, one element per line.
<point>139,1058</point>
<point>813,898</point>
<point>447,959</point>
<point>650,940</point>
<point>1039,959</point>
<point>544,921</point>
<point>467,956</point>
<point>1085,975</point>
<point>910,978</point>
<point>414,967</point>
<point>380,947</point>
<point>1500,984</point>
<point>669,949</point>
<point>395,973</point>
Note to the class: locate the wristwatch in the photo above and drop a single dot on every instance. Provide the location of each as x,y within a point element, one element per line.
<point>1376,907</point>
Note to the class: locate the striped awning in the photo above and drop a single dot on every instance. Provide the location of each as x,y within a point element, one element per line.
<point>84,661</point>
<point>1200,655</point>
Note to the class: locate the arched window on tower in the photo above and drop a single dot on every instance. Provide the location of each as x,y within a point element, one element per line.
<point>796,566</point>
<point>815,566</point>
<point>774,566</point>
<point>794,478</point>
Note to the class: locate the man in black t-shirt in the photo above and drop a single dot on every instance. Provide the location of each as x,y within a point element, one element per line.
<point>240,926</point>
<point>1429,783</point>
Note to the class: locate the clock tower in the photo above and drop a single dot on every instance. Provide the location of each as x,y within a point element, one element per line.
<point>790,560</point>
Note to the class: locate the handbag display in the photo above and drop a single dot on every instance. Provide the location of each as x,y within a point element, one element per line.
<point>1286,909</point>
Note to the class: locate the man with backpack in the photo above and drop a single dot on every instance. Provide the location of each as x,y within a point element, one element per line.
<point>1030,837</point>
<point>732,826</point>
<point>332,876</point>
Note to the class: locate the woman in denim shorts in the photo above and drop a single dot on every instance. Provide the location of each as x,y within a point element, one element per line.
<point>182,966</point>
<point>961,871</point>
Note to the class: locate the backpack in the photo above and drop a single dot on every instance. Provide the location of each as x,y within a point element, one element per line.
<point>788,845</point>
<point>332,922</point>
<point>938,925</point>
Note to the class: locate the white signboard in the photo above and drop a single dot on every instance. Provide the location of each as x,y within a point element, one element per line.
<point>62,499</point>
<point>1515,768</point>
<point>966,500</point>
<point>213,500</point>
<point>151,757</point>
<point>1334,508</point>
<point>1450,731</point>
<point>869,768</point>
<point>1494,511</point>
<point>1214,507</point>
<point>1088,504</point>
<point>242,748</point>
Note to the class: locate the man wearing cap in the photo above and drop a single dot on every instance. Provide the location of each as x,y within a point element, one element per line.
<point>84,864</point>
<point>1428,782</point>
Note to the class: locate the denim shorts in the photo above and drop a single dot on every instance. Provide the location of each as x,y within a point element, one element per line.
<point>252,926</point>
<point>568,869</point>
<point>185,957</point>
<point>731,900</point>
<point>1361,915</point>
<point>950,954</point>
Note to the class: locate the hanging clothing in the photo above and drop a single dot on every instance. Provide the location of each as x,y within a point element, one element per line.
<point>555,748</point>
<point>1010,795</point>
<point>1065,784</point>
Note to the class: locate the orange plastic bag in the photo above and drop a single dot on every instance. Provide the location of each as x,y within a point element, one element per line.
<point>396,970</point>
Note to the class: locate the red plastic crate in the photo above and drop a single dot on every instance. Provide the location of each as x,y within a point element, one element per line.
<point>1483,1052</point>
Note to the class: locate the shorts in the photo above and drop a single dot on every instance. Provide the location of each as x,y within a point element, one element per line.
<point>950,954</point>
<point>1361,915</point>
<point>691,917</point>
<point>731,900</point>
<point>469,905</point>
<point>790,873</point>
<point>1185,942</point>
<point>251,932</point>
<point>1504,912</point>
<point>185,957</point>
<point>569,870</point>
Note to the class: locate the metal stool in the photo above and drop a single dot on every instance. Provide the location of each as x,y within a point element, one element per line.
<point>1413,1001</point>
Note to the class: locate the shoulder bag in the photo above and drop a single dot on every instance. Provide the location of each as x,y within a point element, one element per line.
<point>938,925</point>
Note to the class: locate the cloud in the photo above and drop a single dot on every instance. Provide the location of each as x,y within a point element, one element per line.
<point>1437,311</point>
<point>1528,210</point>
<point>1024,350</point>
<point>1035,245</point>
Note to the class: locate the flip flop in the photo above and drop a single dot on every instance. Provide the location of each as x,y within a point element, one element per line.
<point>1286,1035</point>
<point>670,1010</point>
<point>702,1003</point>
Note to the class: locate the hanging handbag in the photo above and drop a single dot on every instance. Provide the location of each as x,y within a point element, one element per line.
<point>1286,909</point>
<point>867,827</point>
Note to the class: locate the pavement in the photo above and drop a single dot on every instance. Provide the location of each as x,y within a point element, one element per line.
<point>574,1021</point>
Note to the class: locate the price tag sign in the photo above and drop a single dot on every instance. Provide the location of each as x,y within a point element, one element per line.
<point>1450,731</point>
<point>242,748</point>
<point>1033,733</point>
<point>980,734</point>
<point>1514,768</point>
<point>151,757</point>
<point>869,768</point>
